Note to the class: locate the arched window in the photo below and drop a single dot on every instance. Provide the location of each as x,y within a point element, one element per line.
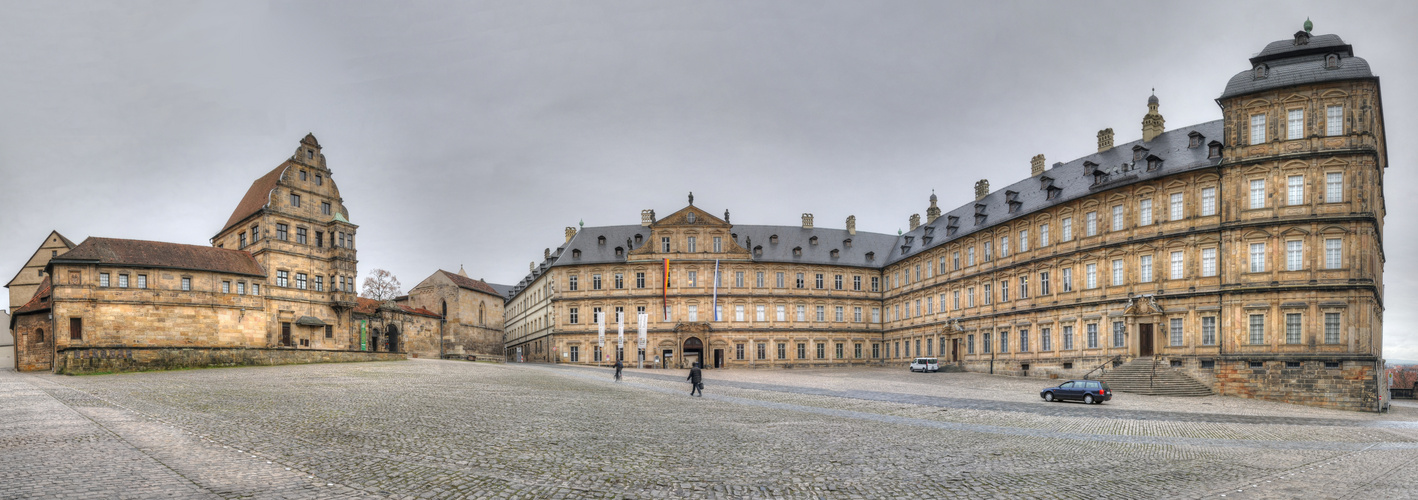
<point>39,336</point>
<point>481,309</point>
<point>1331,61</point>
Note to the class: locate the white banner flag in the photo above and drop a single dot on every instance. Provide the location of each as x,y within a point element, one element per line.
<point>601,329</point>
<point>642,320</point>
<point>620,330</point>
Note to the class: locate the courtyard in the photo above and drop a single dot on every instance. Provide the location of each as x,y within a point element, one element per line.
<point>452,429</point>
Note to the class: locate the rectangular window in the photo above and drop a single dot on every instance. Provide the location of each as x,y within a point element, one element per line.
<point>857,283</point>
<point>691,279</point>
<point>1208,330</point>
<point>838,314</point>
<point>822,351</point>
<point>969,344</point>
<point>1333,253</point>
<point>319,239</point>
<point>1024,340</point>
<point>970,256</point>
<point>1043,235</point>
<point>817,281</point>
<point>226,287</point>
<point>1117,218</point>
<point>619,279</point>
<point>1117,272</point>
<point>1175,332</point>
<point>1292,328</point>
<point>1176,209</point>
<point>1176,268</point>
<point>758,279</point>
<point>1257,257</point>
<point>240,288</point>
<point>1257,129</point>
<point>801,311</point>
<point>1091,276</point>
<point>1334,120</point>
<point>76,329</point>
<point>122,281</point>
<point>1295,124</point>
<point>1257,329</point>
<point>1004,290</point>
<point>187,282</point>
<point>956,298</point>
<point>574,315</point>
<point>255,233</point>
<point>1294,255</point>
<point>1333,187</point>
<point>837,282</point>
<point>782,350</point>
<point>1208,201</point>
<point>1068,337</point>
<point>821,313</point>
<point>1145,268</point>
<point>241,240</point>
<point>691,246</point>
<point>857,314</point>
<point>799,281</point>
<point>692,311</point>
<point>760,313</point>
<point>294,200</point>
<point>575,354</point>
<point>857,350</point>
<point>1045,342</point>
<point>1067,279</point>
<point>571,282</point>
<point>1023,287</point>
<point>955,258</point>
<point>1092,335</point>
<point>738,352</point>
<point>1257,193</point>
<point>1024,240</point>
<point>255,289</point>
<point>1004,246</point>
<point>640,279</point>
<point>325,208</point>
<point>281,232</point>
<point>665,244</point>
<point>988,296</point>
<point>1208,262</point>
<point>1090,224</point>
<point>1119,333</point>
<point>103,280</point>
<point>596,281</point>
<point>300,235</point>
<point>1331,328</point>
<point>1144,212</point>
<point>876,315</point>
<point>989,251</point>
<point>738,313</point>
<point>1068,229</point>
<point>802,350</point>
<point>779,281</point>
<point>1003,342</point>
<point>970,297</point>
<point>738,279</point>
<point>1295,190</point>
<point>1044,283</point>
<point>762,351</point>
<point>719,247</point>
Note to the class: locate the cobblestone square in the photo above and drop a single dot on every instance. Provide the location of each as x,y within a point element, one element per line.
<point>450,429</point>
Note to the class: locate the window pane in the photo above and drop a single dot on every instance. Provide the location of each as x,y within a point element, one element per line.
<point>1295,123</point>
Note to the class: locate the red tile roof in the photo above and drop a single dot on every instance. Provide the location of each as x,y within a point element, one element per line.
<point>39,302</point>
<point>257,198</point>
<point>139,253</point>
<point>469,283</point>
<point>370,307</point>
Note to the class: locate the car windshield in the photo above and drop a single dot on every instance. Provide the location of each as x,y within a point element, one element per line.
<point>1066,385</point>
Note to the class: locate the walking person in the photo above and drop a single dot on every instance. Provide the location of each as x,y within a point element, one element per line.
<point>696,381</point>
<point>618,367</point>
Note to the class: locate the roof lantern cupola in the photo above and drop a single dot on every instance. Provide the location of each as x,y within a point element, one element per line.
<point>1152,123</point>
<point>933,212</point>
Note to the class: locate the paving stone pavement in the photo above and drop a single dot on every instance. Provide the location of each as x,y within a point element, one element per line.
<point>449,429</point>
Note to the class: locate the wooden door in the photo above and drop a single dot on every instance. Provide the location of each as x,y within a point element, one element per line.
<point>1144,344</point>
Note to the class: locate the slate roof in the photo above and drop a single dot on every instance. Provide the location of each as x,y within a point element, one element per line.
<point>257,197</point>
<point>469,283</point>
<point>1074,180</point>
<point>504,290</point>
<point>139,253</point>
<point>1289,64</point>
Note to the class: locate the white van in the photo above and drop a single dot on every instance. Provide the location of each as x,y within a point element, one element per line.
<point>925,365</point>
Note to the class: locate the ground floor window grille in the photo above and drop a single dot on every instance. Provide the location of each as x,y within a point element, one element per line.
<point>1119,333</point>
<point>575,354</point>
<point>1292,328</point>
<point>738,351</point>
<point>1331,328</point>
<point>1208,330</point>
<point>1257,329</point>
<point>1045,343</point>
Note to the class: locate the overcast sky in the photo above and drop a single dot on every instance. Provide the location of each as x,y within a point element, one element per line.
<point>472,133</point>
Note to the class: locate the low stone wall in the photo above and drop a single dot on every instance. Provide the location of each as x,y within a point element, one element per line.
<point>1350,386</point>
<point>127,359</point>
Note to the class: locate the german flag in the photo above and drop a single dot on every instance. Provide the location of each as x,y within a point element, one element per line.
<point>665,289</point>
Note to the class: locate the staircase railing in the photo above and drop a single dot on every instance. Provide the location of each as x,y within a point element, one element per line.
<point>1102,366</point>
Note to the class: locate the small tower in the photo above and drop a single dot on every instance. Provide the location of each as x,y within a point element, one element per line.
<point>982,189</point>
<point>933,212</point>
<point>1105,139</point>
<point>1152,122</point>
<point>1036,165</point>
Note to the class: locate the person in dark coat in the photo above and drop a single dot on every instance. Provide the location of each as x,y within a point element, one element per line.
<point>618,367</point>
<point>696,381</point>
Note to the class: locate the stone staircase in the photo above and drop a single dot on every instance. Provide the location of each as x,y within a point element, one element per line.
<point>1137,377</point>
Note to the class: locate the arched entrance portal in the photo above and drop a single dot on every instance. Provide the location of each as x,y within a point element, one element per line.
<point>391,338</point>
<point>693,352</point>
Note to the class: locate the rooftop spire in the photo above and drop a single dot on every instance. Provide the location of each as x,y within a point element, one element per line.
<point>1309,26</point>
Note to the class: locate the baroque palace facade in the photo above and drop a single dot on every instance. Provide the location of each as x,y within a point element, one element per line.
<point>1245,252</point>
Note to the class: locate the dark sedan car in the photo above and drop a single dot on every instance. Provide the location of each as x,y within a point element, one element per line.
<point>1087,391</point>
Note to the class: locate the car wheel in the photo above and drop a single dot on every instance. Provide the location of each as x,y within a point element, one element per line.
<point>1049,397</point>
<point>1088,399</point>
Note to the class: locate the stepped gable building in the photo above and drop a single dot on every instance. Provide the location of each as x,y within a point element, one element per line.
<point>1243,254</point>
<point>277,286</point>
<point>472,311</point>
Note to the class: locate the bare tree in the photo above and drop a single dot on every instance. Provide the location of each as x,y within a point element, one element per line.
<point>381,285</point>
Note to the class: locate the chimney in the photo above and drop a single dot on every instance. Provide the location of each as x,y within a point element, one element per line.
<point>546,253</point>
<point>531,266</point>
<point>982,189</point>
<point>570,233</point>
<point>852,225</point>
<point>807,221</point>
<point>647,217</point>
<point>1036,165</point>
<point>915,221</point>
<point>1105,139</point>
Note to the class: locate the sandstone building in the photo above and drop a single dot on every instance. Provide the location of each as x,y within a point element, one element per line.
<point>1244,252</point>
<point>472,312</point>
<point>276,286</point>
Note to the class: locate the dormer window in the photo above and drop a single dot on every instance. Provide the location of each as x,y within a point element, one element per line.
<point>773,239</point>
<point>1331,61</point>
<point>1213,149</point>
<point>812,240</point>
<point>1196,139</point>
<point>797,251</point>
<point>576,254</point>
<point>1261,71</point>
<point>847,243</point>
<point>1138,152</point>
<point>758,251</point>
<point>1153,163</point>
<point>637,239</point>
<point>600,240</point>
<point>836,253</point>
<point>619,251</point>
<point>871,256</point>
